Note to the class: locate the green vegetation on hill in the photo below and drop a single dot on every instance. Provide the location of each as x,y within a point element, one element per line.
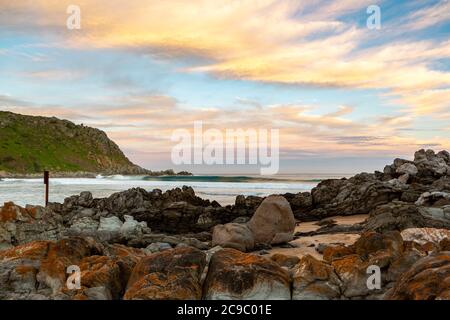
<point>31,144</point>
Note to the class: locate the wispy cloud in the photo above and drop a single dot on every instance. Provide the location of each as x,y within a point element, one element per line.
<point>146,130</point>
<point>428,16</point>
<point>12,104</point>
<point>268,41</point>
<point>52,75</point>
<point>301,44</point>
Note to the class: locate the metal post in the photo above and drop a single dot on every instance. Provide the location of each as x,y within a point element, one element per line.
<point>46,182</point>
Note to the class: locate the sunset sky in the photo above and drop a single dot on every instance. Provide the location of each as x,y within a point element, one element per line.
<point>345,98</point>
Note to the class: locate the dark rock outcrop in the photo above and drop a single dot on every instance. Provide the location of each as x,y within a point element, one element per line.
<point>399,215</point>
<point>403,180</point>
<point>173,211</point>
<point>357,195</point>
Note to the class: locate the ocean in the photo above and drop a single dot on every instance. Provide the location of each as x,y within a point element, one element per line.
<point>223,189</point>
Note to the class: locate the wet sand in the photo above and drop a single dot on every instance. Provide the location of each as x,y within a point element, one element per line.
<point>306,245</point>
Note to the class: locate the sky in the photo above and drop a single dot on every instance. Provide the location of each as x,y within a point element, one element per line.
<point>344,97</point>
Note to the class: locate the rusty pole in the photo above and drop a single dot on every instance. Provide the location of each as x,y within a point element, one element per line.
<point>46,182</point>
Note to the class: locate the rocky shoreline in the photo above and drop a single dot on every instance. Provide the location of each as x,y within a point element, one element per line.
<point>140,244</point>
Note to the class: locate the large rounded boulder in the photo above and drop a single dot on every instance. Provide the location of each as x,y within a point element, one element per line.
<point>273,221</point>
<point>233,235</point>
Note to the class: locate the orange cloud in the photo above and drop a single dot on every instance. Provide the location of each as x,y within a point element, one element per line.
<point>264,40</point>
<point>301,128</point>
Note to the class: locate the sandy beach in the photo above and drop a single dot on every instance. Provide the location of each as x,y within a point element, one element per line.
<point>307,245</point>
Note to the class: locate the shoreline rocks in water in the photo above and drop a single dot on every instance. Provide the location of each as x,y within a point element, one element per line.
<point>140,244</point>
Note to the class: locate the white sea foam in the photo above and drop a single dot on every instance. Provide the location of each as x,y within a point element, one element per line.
<point>31,191</point>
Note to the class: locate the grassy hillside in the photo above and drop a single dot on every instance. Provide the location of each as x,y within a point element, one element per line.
<point>32,144</point>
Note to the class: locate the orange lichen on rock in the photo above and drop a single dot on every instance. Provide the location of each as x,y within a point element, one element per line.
<point>33,251</point>
<point>126,258</point>
<point>314,279</point>
<point>371,242</point>
<point>285,260</point>
<point>9,212</point>
<point>101,271</point>
<point>25,269</point>
<point>121,251</point>
<point>159,286</point>
<point>171,274</point>
<point>427,279</point>
<point>338,251</point>
<point>345,266</point>
<point>63,254</point>
<point>317,269</point>
<point>32,212</point>
<point>237,275</point>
